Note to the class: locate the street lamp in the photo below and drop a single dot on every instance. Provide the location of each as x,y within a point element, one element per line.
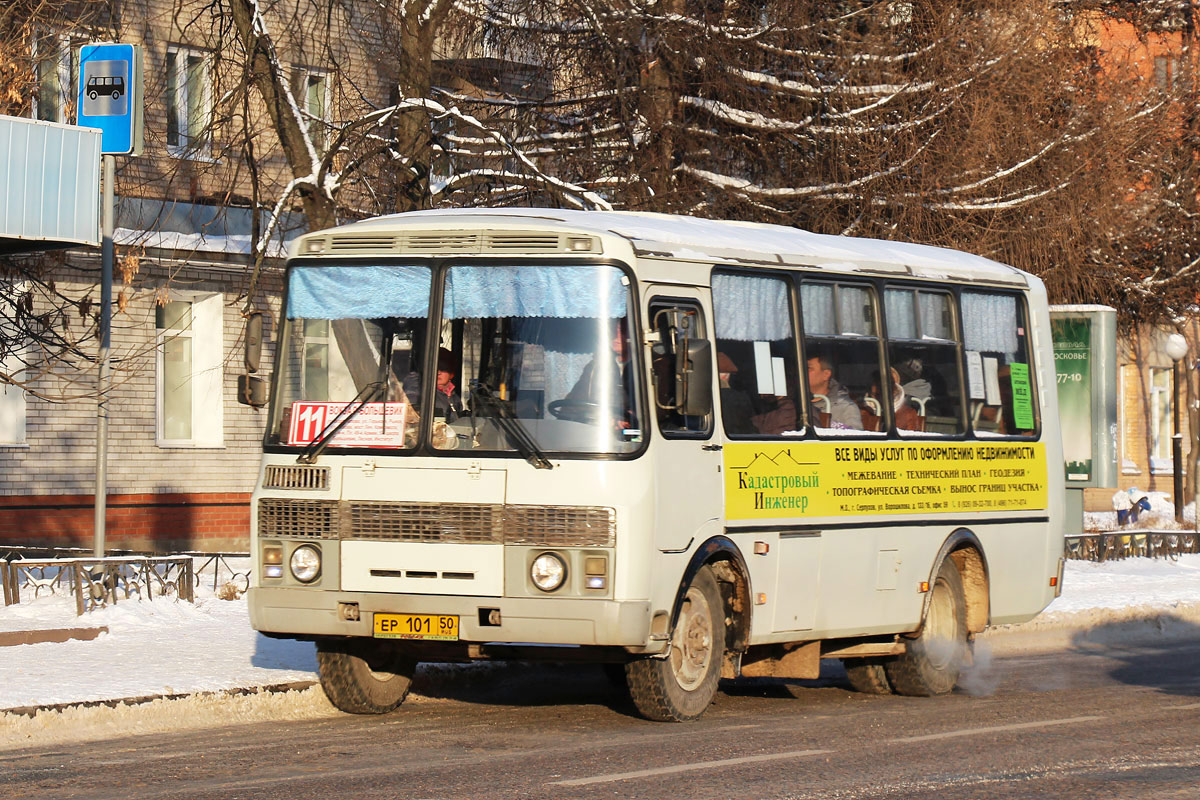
<point>1176,348</point>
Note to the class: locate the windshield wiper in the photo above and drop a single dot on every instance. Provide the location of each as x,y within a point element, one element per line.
<point>317,445</point>
<point>515,431</point>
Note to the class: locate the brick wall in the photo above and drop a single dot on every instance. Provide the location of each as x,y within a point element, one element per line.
<point>213,522</point>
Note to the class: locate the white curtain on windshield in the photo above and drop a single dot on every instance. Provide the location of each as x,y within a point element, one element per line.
<point>990,323</point>
<point>750,308</point>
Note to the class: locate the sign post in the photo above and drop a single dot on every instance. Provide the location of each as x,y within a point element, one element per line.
<point>110,99</point>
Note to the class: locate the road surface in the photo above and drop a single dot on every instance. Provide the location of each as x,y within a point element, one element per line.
<point>1093,722</point>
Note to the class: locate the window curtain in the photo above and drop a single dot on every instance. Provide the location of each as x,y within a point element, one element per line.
<point>990,322</point>
<point>532,291</point>
<point>750,308</point>
<point>366,292</point>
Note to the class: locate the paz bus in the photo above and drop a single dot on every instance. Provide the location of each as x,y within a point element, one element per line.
<point>684,449</point>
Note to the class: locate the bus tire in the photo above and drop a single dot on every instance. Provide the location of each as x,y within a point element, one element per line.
<point>937,655</point>
<point>868,675</point>
<point>680,687</point>
<point>362,676</point>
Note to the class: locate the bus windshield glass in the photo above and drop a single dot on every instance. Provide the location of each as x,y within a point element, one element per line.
<point>541,353</point>
<point>527,360</point>
<point>350,343</point>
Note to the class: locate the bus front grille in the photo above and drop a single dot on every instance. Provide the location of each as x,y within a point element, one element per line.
<point>466,523</point>
<point>296,476</point>
<point>560,526</point>
<point>297,519</point>
<point>460,523</point>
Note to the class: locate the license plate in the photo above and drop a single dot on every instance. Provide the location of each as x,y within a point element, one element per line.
<point>437,627</point>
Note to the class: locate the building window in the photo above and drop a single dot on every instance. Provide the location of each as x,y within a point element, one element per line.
<point>12,364</point>
<point>313,88</point>
<point>1166,71</point>
<point>56,65</point>
<point>1160,419</point>
<point>189,101</point>
<point>190,374</point>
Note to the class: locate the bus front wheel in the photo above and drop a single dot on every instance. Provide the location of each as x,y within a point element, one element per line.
<point>936,656</point>
<point>680,687</point>
<point>362,676</point>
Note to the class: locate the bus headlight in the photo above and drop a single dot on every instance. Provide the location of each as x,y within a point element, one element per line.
<point>548,572</point>
<point>305,563</point>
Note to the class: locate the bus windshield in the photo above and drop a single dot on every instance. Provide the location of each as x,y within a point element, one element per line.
<point>527,360</point>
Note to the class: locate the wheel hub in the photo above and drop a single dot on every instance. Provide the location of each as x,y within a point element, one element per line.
<point>691,649</point>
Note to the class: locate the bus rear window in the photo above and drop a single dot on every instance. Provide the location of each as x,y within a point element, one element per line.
<point>1000,382</point>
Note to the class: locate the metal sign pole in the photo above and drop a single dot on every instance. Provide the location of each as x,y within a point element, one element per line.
<point>110,99</point>
<point>102,384</point>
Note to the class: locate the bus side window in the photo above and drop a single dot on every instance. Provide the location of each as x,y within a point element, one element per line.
<point>676,322</point>
<point>756,355</point>
<point>841,349</point>
<point>923,351</point>
<point>1003,400</point>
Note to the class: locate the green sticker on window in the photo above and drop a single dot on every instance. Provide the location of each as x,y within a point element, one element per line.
<point>1022,396</point>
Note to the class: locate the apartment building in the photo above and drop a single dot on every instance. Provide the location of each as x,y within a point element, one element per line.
<point>183,453</point>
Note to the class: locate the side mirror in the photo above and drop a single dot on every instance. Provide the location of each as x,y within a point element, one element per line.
<point>694,378</point>
<point>252,391</point>
<point>254,341</point>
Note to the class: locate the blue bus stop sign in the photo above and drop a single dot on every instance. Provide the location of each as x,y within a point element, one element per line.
<point>110,95</point>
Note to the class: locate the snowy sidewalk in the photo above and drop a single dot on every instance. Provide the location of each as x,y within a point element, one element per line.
<point>163,647</point>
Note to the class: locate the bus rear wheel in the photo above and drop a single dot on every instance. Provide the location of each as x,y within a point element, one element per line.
<point>680,687</point>
<point>936,656</point>
<point>868,675</point>
<point>362,676</point>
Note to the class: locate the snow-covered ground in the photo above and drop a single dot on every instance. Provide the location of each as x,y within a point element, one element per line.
<point>164,647</point>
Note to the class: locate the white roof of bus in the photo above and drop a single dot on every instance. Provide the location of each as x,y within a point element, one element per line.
<point>694,238</point>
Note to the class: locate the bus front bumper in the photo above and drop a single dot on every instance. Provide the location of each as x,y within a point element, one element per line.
<point>305,613</point>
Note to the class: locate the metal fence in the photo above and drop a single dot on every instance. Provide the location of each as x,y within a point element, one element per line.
<point>99,582</point>
<point>1143,543</point>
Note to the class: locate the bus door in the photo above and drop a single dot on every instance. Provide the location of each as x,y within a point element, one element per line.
<point>688,460</point>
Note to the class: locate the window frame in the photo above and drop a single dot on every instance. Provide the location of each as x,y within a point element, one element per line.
<point>1159,452</point>
<point>65,63</point>
<point>317,122</point>
<point>207,372</point>
<point>836,282</point>
<point>660,302</point>
<point>790,283</point>
<point>1024,321</point>
<point>189,144</point>
<point>923,339</point>
<point>14,399</point>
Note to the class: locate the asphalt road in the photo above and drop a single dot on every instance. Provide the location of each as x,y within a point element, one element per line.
<point>1093,722</point>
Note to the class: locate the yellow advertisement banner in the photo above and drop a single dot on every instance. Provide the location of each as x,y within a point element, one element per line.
<point>831,479</point>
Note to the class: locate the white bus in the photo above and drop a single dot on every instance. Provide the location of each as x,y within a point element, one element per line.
<point>685,449</point>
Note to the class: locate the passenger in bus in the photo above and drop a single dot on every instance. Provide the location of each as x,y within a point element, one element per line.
<point>831,397</point>
<point>447,402</point>
<point>590,388</point>
<point>777,420</point>
<point>736,409</point>
<point>907,418</point>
